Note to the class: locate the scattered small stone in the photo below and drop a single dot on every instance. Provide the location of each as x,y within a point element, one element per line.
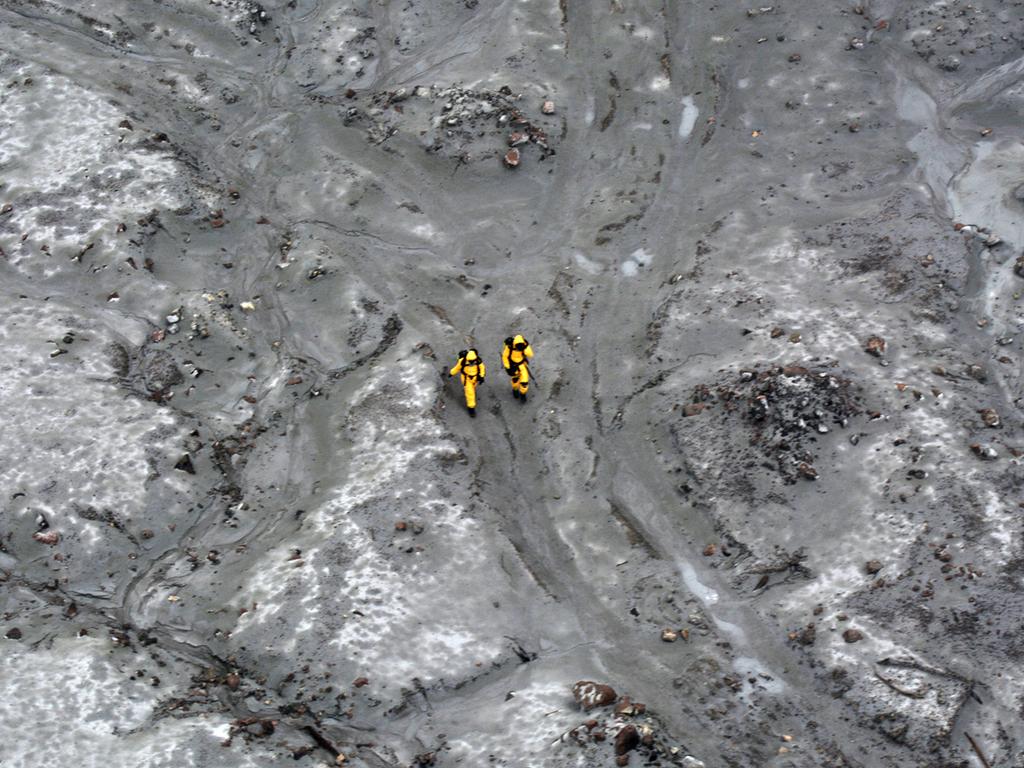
<point>856,43</point>
<point>692,409</point>
<point>359,682</point>
<point>294,380</point>
<point>794,58</point>
<point>147,533</point>
<point>692,762</point>
<point>46,537</point>
<point>401,525</point>
<point>752,12</point>
<point>854,127</point>
<point>807,635</point>
<point>709,550</point>
<point>669,635</point>
<point>628,708</point>
<point>806,471</point>
<point>986,452</point>
<point>232,680</point>
<point>776,332</point>
<point>990,417</point>
<point>512,158</point>
<point>875,345</point>
<point>873,566</point>
<point>184,464</point>
<point>853,635</point>
<point>548,107</point>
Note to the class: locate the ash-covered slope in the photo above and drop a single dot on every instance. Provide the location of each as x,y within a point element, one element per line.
<point>767,484</point>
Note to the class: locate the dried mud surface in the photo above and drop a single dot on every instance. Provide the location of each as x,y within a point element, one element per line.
<point>767,486</point>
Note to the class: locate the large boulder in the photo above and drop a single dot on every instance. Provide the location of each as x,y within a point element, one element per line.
<point>589,694</point>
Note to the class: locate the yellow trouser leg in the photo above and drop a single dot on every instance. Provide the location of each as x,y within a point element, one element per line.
<point>522,379</point>
<point>470,387</point>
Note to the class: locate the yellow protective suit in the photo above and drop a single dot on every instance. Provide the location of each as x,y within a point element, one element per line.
<point>515,356</point>
<point>473,371</point>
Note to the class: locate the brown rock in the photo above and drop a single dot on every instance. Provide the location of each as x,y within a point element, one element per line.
<point>548,107</point>
<point>692,409</point>
<point>359,682</point>
<point>147,533</point>
<point>984,451</point>
<point>232,680</point>
<point>625,707</point>
<point>709,550</point>
<point>875,346</point>
<point>669,635</point>
<point>401,525</point>
<point>626,740</point>
<point>622,760</point>
<point>294,380</point>
<point>590,724</point>
<point>46,537</point>
<point>589,694</point>
<point>806,471</point>
<point>512,158</point>
<point>794,58</point>
<point>990,417</point>
<point>853,635</point>
<point>807,635</point>
<point>776,332</point>
<point>873,566</point>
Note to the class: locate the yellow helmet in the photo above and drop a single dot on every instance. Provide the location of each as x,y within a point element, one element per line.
<point>471,356</point>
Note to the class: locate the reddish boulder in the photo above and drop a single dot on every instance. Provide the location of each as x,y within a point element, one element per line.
<point>589,694</point>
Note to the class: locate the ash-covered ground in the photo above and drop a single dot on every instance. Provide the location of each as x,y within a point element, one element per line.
<point>762,508</point>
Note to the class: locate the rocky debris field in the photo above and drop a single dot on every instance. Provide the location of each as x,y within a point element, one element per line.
<point>763,506</point>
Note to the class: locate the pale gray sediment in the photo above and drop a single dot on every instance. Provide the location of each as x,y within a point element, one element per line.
<point>245,521</point>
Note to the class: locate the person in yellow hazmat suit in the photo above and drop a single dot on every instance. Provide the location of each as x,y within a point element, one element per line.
<point>472,369</point>
<point>515,357</point>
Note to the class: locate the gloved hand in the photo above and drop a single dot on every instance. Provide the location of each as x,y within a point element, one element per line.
<point>481,379</point>
<point>511,371</point>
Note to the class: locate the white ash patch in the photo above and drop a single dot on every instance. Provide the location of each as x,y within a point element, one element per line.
<point>71,173</point>
<point>538,713</point>
<point>369,595</point>
<point>73,439</point>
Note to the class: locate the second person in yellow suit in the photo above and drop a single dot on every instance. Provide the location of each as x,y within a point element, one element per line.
<point>473,371</point>
<point>515,356</point>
